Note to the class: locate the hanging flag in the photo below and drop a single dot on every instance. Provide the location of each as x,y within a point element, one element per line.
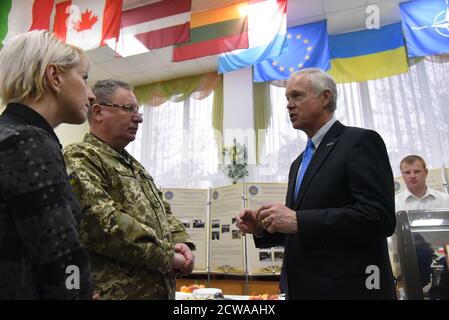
<point>267,27</point>
<point>155,25</point>
<point>215,31</point>
<point>88,24</point>
<point>426,27</point>
<point>22,16</point>
<point>307,47</point>
<point>368,54</point>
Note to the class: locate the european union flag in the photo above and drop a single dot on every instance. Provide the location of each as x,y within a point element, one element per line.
<point>426,27</point>
<point>307,47</point>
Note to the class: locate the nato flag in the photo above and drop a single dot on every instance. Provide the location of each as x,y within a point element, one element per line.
<point>426,27</point>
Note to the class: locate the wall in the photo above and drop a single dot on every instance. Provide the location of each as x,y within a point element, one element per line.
<point>69,133</point>
<point>238,117</point>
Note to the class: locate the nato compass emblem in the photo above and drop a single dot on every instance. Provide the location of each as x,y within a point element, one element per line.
<point>440,23</point>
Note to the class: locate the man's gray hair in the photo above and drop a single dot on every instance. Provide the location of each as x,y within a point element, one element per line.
<point>104,90</point>
<point>321,81</point>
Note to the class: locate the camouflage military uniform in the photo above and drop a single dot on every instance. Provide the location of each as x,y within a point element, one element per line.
<point>127,228</point>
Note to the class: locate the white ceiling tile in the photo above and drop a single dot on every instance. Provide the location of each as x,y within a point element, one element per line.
<point>97,69</point>
<point>102,54</point>
<point>302,21</point>
<point>297,10</point>
<point>209,63</point>
<point>183,69</point>
<point>97,72</point>
<point>380,1</point>
<point>119,66</point>
<point>161,74</point>
<point>330,6</point>
<point>164,54</point>
<point>136,79</point>
<point>346,21</point>
<point>145,61</point>
<point>389,12</point>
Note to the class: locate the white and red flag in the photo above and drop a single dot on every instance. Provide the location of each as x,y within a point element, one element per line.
<point>88,24</point>
<point>155,25</point>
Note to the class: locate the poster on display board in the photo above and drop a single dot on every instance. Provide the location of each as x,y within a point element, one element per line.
<point>399,185</point>
<point>435,179</point>
<point>447,179</point>
<point>264,261</point>
<point>226,242</point>
<point>190,206</point>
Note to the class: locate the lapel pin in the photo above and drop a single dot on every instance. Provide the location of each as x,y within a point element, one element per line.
<point>329,144</point>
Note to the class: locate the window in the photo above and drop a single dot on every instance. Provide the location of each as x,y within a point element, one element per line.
<point>176,144</point>
<point>410,111</point>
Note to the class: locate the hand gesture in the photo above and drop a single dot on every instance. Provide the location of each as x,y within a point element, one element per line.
<point>247,222</point>
<point>189,257</point>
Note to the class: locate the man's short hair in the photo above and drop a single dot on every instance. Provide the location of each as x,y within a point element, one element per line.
<point>104,90</point>
<point>321,81</point>
<point>411,159</point>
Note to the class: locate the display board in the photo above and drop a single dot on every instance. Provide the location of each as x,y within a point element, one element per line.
<point>399,185</point>
<point>209,216</point>
<point>435,179</point>
<point>190,206</point>
<point>226,243</point>
<point>447,179</point>
<point>264,261</point>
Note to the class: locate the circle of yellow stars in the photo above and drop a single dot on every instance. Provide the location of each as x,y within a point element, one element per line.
<point>306,57</point>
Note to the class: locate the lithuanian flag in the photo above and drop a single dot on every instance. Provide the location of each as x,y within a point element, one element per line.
<point>215,31</point>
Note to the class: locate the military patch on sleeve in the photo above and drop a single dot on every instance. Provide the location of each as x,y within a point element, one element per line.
<point>72,179</point>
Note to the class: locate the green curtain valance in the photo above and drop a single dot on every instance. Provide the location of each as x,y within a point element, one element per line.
<point>155,94</point>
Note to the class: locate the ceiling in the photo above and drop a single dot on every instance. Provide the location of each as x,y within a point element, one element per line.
<point>156,65</point>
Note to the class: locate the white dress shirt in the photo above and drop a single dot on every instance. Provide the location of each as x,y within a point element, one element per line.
<point>432,199</point>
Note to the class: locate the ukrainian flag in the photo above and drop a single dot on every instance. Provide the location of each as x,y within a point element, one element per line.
<point>368,54</point>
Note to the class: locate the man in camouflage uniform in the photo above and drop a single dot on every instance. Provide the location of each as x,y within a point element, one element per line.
<point>136,245</point>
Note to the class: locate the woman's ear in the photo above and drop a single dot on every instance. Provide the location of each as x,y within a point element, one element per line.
<point>54,78</point>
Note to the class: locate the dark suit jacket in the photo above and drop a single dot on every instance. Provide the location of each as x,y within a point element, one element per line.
<point>345,212</point>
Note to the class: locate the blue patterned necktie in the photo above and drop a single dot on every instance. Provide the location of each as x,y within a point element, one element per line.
<point>306,157</point>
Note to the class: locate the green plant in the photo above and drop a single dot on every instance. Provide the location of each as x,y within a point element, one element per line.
<point>236,161</point>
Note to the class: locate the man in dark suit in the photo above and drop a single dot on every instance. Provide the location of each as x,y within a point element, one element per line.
<point>339,207</point>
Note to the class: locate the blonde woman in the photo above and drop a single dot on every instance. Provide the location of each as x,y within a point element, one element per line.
<point>43,84</point>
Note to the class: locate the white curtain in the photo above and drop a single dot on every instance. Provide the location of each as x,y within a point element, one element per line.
<point>176,144</point>
<point>410,111</point>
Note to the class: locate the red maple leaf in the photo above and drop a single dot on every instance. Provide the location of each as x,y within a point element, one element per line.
<point>86,22</point>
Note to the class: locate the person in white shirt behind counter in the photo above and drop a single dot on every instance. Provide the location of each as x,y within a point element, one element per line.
<point>418,196</point>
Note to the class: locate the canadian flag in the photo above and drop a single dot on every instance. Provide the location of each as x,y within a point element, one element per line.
<point>88,24</point>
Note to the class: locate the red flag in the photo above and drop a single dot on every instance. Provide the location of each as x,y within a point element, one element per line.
<point>159,24</point>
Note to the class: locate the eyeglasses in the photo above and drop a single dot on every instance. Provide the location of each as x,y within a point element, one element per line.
<point>131,108</point>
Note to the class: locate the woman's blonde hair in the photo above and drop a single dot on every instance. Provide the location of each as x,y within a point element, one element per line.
<point>24,59</point>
